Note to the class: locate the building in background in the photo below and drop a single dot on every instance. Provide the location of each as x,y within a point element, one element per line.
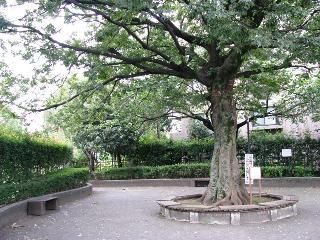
<point>307,127</point>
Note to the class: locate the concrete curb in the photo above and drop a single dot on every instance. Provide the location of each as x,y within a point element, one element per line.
<point>10,213</point>
<point>202,182</point>
<point>283,206</point>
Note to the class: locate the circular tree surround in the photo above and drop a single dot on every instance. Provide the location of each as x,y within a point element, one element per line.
<point>283,206</point>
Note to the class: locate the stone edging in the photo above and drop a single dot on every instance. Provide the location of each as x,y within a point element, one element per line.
<point>284,207</point>
<point>10,213</point>
<point>201,182</point>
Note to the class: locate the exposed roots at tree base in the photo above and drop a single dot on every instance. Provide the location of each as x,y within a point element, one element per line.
<point>232,198</point>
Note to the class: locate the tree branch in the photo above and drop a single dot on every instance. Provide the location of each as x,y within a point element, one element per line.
<point>128,30</point>
<point>94,88</point>
<point>206,122</point>
<point>167,24</point>
<point>170,68</point>
<point>304,23</point>
<point>250,73</point>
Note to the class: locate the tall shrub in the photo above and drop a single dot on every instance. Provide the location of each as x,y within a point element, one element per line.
<point>23,156</point>
<point>265,147</point>
<point>167,152</point>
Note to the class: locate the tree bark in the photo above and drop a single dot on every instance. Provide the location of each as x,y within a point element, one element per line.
<point>225,186</point>
<point>119,160</point>
<point>92,159</point>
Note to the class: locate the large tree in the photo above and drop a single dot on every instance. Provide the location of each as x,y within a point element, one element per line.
<point>222,45</point>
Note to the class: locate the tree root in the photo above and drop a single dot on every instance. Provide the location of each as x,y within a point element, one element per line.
<point>233,198</point>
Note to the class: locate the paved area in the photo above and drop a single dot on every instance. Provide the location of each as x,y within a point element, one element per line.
<point>132,214</point>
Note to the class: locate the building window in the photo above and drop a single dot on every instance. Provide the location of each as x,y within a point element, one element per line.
<point>266,121</point>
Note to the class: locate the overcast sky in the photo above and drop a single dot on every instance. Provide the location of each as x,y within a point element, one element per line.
<point>21,67</point>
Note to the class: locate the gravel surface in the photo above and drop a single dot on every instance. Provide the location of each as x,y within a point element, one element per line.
<point>132,214</point>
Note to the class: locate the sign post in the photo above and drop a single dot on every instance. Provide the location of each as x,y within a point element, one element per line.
<point>248,163</point>
<point>255,173</point>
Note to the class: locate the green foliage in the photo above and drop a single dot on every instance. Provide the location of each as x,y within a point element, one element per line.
<point>267,150</point>
<point>198,131</point>
<point>283,171</point>
<point>9,120</point>
<point>61,180</point>
<point>300,171</point>
<point>272,171</point>
<point>79,159</point>
<point>194,170</point>
<point>22,156</point>
<point>265,147</point>
<point>154,152</point>
<point>198,170</point>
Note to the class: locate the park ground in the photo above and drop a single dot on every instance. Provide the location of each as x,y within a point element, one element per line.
<point>132,214</point>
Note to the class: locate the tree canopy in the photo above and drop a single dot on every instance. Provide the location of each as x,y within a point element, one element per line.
<point>129,39</point>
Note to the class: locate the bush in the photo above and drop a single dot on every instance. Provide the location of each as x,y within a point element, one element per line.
<point>167,152</point>
<point>274,171</point>
<point>199,170</point>
<point>300,171</point>
<point>265,147</point>
<point>196,170</point>
<point>24,156</point>
<point>267,151</point>
<point>286,171</point>
<point>62,180</point>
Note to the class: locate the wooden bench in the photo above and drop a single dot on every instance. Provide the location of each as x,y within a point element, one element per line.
<point>39,206</point>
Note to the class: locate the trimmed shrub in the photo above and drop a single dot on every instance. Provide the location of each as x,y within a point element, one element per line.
<point>265,147</point>
<point>62,180</point>
<point>274,171</point>
<point>282,171</point>
<point>167,152</point>
<point>24,156</point>
<point>199,170</point>
<point>195,170</point>
<point>267,151</point>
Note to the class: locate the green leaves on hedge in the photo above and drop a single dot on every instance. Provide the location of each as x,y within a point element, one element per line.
<point>23,156</point>
<point>166,152</point>
<point>54,182</point>
<point>196,170</point>
<point>199,170</point>
<point>265,147</point>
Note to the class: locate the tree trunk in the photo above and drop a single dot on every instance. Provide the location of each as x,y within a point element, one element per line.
<point>225,186</point>
<point>119,160</point>
<point>92,159</point>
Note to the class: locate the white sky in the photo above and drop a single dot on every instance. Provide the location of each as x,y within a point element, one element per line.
<point>21,67</point>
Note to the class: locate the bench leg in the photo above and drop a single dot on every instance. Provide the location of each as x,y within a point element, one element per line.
<point>36,208</point>
<point>51,204</point>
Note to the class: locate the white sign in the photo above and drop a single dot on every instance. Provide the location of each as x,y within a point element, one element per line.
<point>255,173</point>
<point>248,163</point>
<point>286,152</point>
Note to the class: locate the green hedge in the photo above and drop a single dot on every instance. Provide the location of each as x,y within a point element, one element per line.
<point>147,172</point>
<point>197,170</point>
<point>62,180</point>
<point>265,147</point>
<point>282,171</point>
<point>267,151</point>
<point>23,156</point>
<point>167,152</point>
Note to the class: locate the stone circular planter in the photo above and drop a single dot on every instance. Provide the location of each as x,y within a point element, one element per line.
<point>283,206</point>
